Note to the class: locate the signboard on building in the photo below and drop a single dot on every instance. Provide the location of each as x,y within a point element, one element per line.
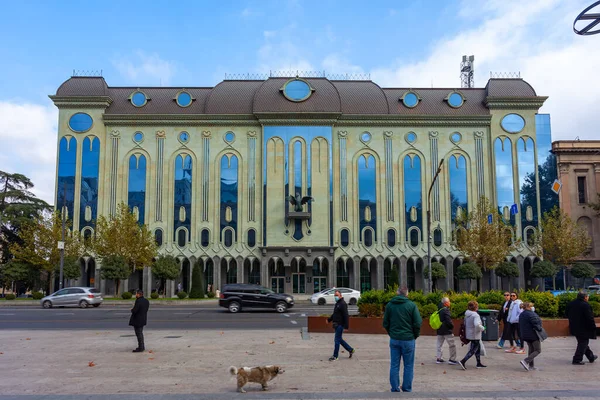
<point>556,185</point>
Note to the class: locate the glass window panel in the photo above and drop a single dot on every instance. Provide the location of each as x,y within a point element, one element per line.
<point>456,137</point>
<point>343,277</point>
<point>410,99</point>
<point>138,136</point>
<point>183,190</point>
<point>184,137</point>
<point>158,237</point>
<point>437,237</point>
<point>581,198</point>
<point>458,184</point>
<point>391,237</point>
<point>513,123</point>
<point>344,237</point>
<point>138,99</point>
<point>204,238</point>
<point>367,192</point>
<point>527,181</point>
<point>504,175</point>
<point>232,273</point>
<point>181,239</point>
<point>411,137</point>
<point>65,186</point>
<point>229,136</point>
<point>368,237</point>
<point>455,100</point>
<point>90,165</point>
<point>251,237</point>
<point>412,190</point>
<point>414,238</point>
<point>228,241</point>
<point>137,185</point>
<point>184,99</point>
<point>229,191</point>
<point>297,90</point>
<point>80,122</point>
<point>365,137</point>
<point>547,171</point>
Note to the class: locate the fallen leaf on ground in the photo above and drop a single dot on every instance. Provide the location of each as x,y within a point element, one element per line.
<point>150,351</point>
<point>444,372</point>
<point>273,342</point>
<point>221,333</point>
<point>1,352</point>
<point>27,338</point>
<point>91,364</point>
<point>422,363</point>
<point>151,358</point>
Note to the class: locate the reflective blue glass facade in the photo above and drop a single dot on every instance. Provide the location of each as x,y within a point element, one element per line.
<point>547,170</point>
<point>505,188</point>
<point>183,193</point>
<point>298,185</point>
<point>229,192</point>
<point>367,196</point>
<point>413,193</point>
<point>65,186</point>
<point>458,184</point>
<point>136,193</point>
<point>90,165</point>
<point>527,183</point>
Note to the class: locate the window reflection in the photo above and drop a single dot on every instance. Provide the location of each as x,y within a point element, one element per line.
<point>504,176</point>
<point>90,164</point>
<point>412,192</point>
<point>344,237</point>
<point>343,277</point>
<point>547,172</point>
<point>251,238</point>
<point>297,185</point>
<point>228,240</point>
<point>437,237</point>
<point>183,191</point>
<point>391,237</point>
<point>181,237</point>
<point>65,190</point>
<point>527,186</point>
<point>368,237</point>
<point>204,237</point>
<point>158,237</point>
<point>229,191</point>
<point>137,185</point>
<point>458,184</point>
<point>367,197</point>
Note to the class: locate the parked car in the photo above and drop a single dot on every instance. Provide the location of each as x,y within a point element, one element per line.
<point>593,289</point>
<point>73,296</point>
<point>237,296</point>
<point>326,296</point>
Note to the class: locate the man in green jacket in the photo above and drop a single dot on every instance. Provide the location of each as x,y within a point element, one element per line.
<point>402,322</point>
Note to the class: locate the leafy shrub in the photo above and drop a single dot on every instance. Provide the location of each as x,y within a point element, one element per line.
<point>427,310</point>
<point>491,297</point>
<point>370,297</point>
<point>564,299</point>
<point>546,305</point>
<point>211,295</point>
<point>418,297</point>
<point>435,297</point>
<point>463,297</point>
<point>507,270</point>
<point>468,271</point>
<point>543,269</point>
<point>182,295</point>
<point>154,295</point>
<point>10,296</point>
<point>457,310</point>
<point>126,295</point>
<point>583,270</point>
<point>37,295</point>
<point>496,307</point>
<point>595,308</point>
<point>370,309</point>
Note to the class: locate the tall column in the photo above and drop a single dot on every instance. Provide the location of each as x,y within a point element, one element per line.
<point>240,269</point>
<point>403,272</point>
<point>379,283</point>
<point>356,272</point>
<point>331,274</point>
<point>217,273</point>
<point>521,265</point>
<point>147,281</point>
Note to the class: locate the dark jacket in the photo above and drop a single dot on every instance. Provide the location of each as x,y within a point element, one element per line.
<point>402,320</point>
<point>529,323</point>
<point>340,314</point>
<point>581,319</point>
<point>447,325</point>
<point>502,314</point>
<point>139,312</point>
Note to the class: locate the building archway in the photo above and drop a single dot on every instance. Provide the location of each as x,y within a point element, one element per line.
<point>277,275</point>
<point>298,275</point>
<point>320,272</point>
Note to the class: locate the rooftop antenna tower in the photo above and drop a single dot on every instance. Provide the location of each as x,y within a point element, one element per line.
<point>467,72</point>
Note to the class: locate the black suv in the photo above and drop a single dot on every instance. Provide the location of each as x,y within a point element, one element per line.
<point>239,295</point>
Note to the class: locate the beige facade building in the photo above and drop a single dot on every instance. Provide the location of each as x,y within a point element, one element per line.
<point>214,173</point>
<point>579,172</point>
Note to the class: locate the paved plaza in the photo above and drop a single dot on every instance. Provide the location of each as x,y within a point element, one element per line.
<point>179,364</point>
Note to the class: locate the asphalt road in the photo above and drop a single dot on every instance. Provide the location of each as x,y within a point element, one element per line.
<point>205,316</point>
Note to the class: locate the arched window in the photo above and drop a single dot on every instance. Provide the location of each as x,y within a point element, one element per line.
<point>181,237</point>
<point>183,192</point>
<point>458,184</point>
<point>229,191</point>
<point>368,237</point>
<point>158,237</point>
<point>412,192</point>
<point>344,237</point>
<point>504,176</point>
<point>228,238</point>
<point>204,238</point>
<point>90,165</point>
<point>251,238</point>
<point>367,195</point>
<point>527,184</point>
<point>414,237</point>
<point>437,237</point>
<point>137,185</point>
<point>391,237</point>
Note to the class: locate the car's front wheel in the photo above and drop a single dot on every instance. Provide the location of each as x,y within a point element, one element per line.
<point>281,307</point>
<point>83,304</point>
<point>47,304</point>
<point>321,301</point>
<point>352,301</point>
<point>234,307</point>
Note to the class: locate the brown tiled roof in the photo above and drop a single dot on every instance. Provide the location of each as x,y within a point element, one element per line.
<point>432,102</point>
<point>251,96</point>
<point>509,88</point>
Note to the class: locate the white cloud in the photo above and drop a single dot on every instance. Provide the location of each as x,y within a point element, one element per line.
<point>146,69</point>
<point>250,13</point>
<point>28,137</point>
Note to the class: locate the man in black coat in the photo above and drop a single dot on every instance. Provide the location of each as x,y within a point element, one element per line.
<point>445,333</point>
<point>582,326</point>
<point>139,314</point>
<point>340,321</point>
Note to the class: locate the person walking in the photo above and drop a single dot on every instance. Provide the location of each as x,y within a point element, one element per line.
<point>340,322</point>
<point>514,312</point>
<point>402,322</point>
<point>582,326</point>
<point>473,329</point>
<point>138,319</point>
<point>445,333</point>
<point>503,317</point>
<point>530,326</point>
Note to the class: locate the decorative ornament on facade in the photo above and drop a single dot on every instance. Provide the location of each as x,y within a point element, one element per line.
<point>160,134</point>
<point>206,134</point>
<point>478,134</point>
<point>342,134</point>
<point>433,134</point>
<point>228,214</point>
<point>88,213</point>
<point>252,134</point>
<point>182,214</point>
<point>388,134</point>
<point>529,214</point>
<point>115,133</point>
<point>368,216</point>
<point>136,213</point>
<point>413,214</point>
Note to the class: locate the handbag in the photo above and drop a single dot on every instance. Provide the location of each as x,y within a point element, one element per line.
<point>542,335</point>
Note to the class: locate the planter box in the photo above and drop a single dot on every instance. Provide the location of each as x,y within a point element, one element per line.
<point>554,327</point>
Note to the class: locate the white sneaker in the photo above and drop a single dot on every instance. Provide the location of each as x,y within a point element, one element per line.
<point>525,365</point>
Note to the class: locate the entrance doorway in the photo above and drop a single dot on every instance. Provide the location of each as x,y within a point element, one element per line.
<point>299,283</point>
<point>277,284</point>
<point>320,283</point>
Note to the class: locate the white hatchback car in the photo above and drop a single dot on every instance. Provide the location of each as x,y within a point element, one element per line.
<point>326,296</point>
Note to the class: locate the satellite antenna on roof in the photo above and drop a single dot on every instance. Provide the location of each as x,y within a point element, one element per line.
<point>467,72</point>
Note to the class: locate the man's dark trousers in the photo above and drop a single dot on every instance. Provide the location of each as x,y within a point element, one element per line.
<point>583,348</point>
<point>139,333</point>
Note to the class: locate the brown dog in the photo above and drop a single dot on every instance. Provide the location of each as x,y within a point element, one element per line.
<point>260,375</point>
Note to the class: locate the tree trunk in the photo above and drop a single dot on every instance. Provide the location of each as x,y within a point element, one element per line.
<point>491,278</point>
<point>565,278</point>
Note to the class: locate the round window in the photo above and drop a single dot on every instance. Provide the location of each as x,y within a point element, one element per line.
<point>138,99</point>
<point>513,123</point>
<point>297,90</point>
<point>229,136</point>
<point>184,137</point>
<point>456,137</point>
<point>411,137</point>
<point>184,99</point>
<point>365,137</point>
<point>410,100</point>
<point>455,100</point>
<point>80,122</point>
<point>138,137</point>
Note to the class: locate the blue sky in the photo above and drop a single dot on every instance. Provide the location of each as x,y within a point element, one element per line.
<point>192,43</point>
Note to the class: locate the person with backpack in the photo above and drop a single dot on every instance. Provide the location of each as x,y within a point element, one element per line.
<point>473,329</point>
<point>443,321</point>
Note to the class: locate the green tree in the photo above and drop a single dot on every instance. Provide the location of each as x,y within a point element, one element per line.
<point>486,244</point>
<point>71,268</point>
<point>582,270</point>
<point>507,270</point>
<point>468,271</point>
<point>543,269</point>
<point>166,268</point>
<point>197,291</point>
<point>437,272</point>
<point>115,267</point>
<point>121,235</point>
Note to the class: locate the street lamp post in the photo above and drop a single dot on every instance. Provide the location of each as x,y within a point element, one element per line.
<point>439,169</point>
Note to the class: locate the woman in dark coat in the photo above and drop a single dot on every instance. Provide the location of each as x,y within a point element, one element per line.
<point>506,329</point>
<point>530,326</point>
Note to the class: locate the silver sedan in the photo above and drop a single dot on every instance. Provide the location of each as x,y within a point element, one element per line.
<point>327,296</point>
<point>74,296</point>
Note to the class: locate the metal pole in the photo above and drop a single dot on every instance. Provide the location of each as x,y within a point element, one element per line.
<point>439,169</point>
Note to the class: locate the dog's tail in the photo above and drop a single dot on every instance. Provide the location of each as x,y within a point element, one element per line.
<point>233,370</point>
